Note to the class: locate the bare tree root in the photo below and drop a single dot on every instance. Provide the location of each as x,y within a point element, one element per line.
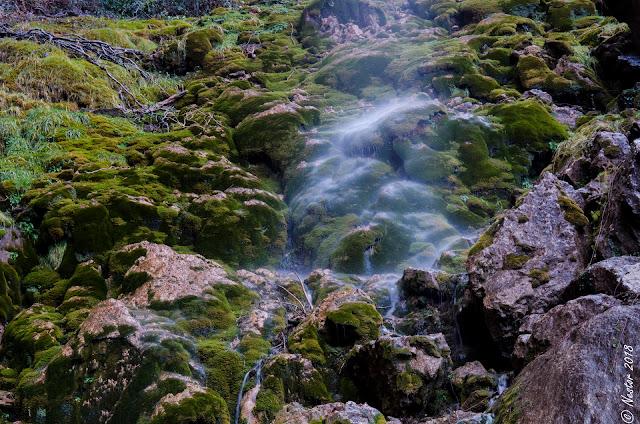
<point>94,51</point>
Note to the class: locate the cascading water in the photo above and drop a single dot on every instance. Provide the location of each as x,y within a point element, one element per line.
<point>355,189</point>
<point>257,369</point>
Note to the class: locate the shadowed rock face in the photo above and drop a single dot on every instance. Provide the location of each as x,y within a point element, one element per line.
<point>620,232</point>
<point>581,379</point>
<point>627,11</point>
<point>400,374</point>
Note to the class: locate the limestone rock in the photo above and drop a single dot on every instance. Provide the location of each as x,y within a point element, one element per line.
<point>462,417</point>
<point>525,265</point>
<point>349,412</point>
<point>614,276</point>
<point>581,379</point>
<point>172,275</point>
<point>471,381</point>
<point>540,332</point>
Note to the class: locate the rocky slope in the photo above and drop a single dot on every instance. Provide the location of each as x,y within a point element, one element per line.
<point>457,181</point>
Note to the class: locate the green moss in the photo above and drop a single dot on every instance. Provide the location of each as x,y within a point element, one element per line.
<point>534,73</point>
<point>199,43</point>
<point>506,25</point>
<point>269,399</point>
<point>515,261</point>
<point>92,231</point>
<point>529,125</point>
<point>486,239</point>
<point>563,14</point>
<point>475,10</point>
<point>202,407</point>
<point>275,135</point>
<point>225,369</point>
<point>33,330</point>
<point>89,278</point>
<point>253,347</point>
<point>409,382</point>
<point>120,262</point>
<point>479,86</point>
<point>538,277</point>
<point>353,72</point>
<point>306,343</point>
<point>508,411</point>
<point>362,317</point>
<point>572,212</point>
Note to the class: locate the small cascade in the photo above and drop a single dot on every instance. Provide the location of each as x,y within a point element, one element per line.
<point>258,371</point>
<point>368,269</point>
<point>503,383</point>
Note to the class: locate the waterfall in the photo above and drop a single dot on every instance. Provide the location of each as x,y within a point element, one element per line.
<point>258,371</point>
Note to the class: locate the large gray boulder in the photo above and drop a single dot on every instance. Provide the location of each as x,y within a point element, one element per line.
<point>583,378</point>
<point>618,276</point>
<point>525,261</point>
<point>539,332</point>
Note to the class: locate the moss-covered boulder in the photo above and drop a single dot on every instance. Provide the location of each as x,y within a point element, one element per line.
<point>152,374</point>
<point>199,43</point>
<point>273,135</point>
<point>399,373</point>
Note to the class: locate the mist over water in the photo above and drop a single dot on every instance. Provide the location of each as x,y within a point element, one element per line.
<point>357,201</point>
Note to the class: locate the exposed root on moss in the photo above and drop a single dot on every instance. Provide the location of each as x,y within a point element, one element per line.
<point>94,51</point>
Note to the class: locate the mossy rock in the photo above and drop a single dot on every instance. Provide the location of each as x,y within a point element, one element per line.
<point>534,73</point>
<point>306,343</point>
<point>274,134</point>
<point>353,322</point>
<point>10,294</point>
<point>33,330</point>
<point>529,125</point>
<point>515,261</point>
<point>572,212</point>
<point>506,25</point>
<point>479,86</point>
<point>225,369</point>
<point>352,72</point>
<point>563,14</point>
<point>92,229</point>
<point>201,407</point>
<point>486,239</point>
<point>476,10</point>
<point>199,43</point>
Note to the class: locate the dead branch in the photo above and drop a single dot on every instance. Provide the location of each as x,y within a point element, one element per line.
<point>294,296</point>
<point>163,105</point>
<point>306,295</point>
